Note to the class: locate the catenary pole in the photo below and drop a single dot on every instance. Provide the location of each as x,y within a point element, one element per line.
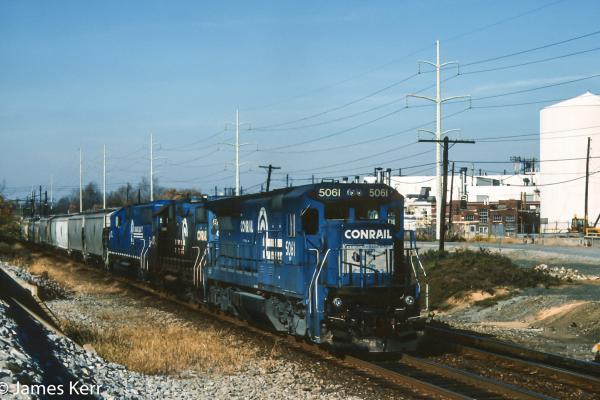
<point>151,168</point>
<point>80,182</point>
<point>237,152</point>
<point>438,100</point>
<point>51,191</point>
<point>237,145</point>
<point>104,178</point>
<point>438,135</point>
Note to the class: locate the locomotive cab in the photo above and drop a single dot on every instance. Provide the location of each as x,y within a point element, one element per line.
<point>362,293</point>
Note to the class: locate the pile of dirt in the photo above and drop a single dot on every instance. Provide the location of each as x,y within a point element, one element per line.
<point>456,276</point>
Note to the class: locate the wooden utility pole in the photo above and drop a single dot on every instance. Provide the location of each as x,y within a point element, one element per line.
<point>442,221</point>
<point>587,183</point>
<point>451,190</point>
<point>269,169</point>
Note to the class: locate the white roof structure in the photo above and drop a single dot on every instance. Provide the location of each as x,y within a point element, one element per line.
<point>564,131</point>
<point>478,187</point>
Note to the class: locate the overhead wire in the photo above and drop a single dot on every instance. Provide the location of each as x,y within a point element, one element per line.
<point>516,53</point>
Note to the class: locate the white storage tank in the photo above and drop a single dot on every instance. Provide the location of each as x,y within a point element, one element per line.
<point>564,131</point>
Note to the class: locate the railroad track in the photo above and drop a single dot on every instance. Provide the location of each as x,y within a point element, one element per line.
<point>419,377</point>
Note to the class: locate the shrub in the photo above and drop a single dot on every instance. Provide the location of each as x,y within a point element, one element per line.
<point>464,271</point>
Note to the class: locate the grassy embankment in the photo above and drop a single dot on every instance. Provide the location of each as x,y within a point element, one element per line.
<point>477,277</point>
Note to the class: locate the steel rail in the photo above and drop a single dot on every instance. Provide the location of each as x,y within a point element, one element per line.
<point>478,381</point>
<point>375,370</point>
<point>402,379</point>
<point>514,350</point>
<point>369,368</point>
<point>557,374</point>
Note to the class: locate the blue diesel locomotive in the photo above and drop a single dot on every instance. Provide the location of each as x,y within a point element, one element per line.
<point>325,261</point>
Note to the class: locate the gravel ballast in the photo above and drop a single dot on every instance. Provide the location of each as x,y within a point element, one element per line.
<point>281,378</point>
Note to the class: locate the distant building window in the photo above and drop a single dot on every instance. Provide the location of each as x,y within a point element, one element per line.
<point>483,215</point>
<point>497,218</point>
<point>473,228</point>
<point>483,230</point>
<point>510,218</point>
<point>469,217</point>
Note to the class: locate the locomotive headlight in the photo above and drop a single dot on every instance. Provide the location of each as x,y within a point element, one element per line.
<point>409,300</point>
<point>337,302</point>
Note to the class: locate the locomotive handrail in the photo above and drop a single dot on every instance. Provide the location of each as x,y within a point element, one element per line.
<point>313,281</point>
<point>414,250</point>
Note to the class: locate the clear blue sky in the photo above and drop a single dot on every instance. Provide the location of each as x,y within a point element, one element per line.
<point>83,74</point>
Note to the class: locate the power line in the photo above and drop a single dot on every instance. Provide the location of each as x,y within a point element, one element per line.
<point>411,54</point>
<point>183,147</point>
<point>268,127</point>
<point>535,88</point>
<point>337,133</point>
<point>509,162</point>
<point>530,62</point>
<point>532,49</point>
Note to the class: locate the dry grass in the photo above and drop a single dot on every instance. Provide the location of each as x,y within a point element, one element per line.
<point>153,349</point>
<point>145,334</point>
<point>60,268</point>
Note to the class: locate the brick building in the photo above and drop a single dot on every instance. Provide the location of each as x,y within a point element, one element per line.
<point>501,218</point>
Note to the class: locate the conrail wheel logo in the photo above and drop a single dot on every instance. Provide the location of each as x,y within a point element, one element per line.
<point>372,234</point>
<point>184,231</point>
<point>263,227</point>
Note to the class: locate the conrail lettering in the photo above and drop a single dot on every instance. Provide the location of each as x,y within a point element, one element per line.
<point>367,234</point>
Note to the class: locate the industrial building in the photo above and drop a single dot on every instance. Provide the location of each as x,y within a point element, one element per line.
<point>503,205</point>
<point>540,196</point>
<point>564,131</point>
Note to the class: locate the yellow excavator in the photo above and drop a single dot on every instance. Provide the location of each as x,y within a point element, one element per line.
<point>579,225</point>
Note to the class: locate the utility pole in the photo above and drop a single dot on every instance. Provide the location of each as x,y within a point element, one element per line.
<point>40,208</point>
<point>80,182</point>
<point>442,206</point>
<point>451,190</point>
<point>51,191</point>
<point>587,182</point>
<point>104,178</point>
<point>237,152</point>
<point>438,100</point>
<point>269,169</point>
<point>237,146</point>
<point>151,168</point>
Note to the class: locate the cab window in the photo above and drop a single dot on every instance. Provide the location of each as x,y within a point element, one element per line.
<point>310,221</point>
<point>335,211</point>
<point>393,218</point>
<point>369,213</point>
<point>201,215</point>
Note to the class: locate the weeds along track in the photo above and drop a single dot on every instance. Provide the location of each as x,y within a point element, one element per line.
<point>469,366</point>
